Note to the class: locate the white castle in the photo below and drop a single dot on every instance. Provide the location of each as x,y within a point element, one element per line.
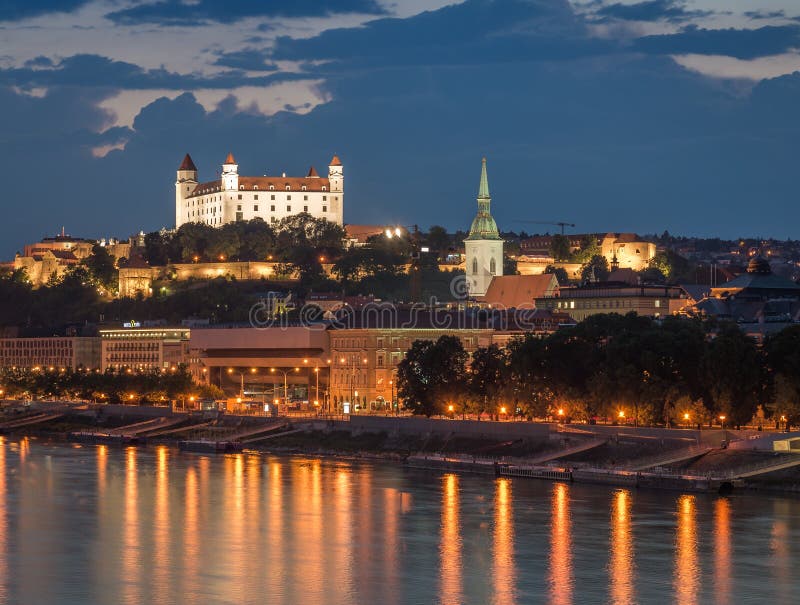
<point>271,198</point>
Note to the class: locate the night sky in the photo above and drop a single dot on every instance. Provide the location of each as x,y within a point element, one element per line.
<point>616,116</point>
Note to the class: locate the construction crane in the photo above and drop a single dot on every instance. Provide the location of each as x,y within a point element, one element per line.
<point>561,224</point>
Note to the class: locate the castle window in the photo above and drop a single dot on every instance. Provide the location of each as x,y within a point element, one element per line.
<point>474,266</point>
<point>238,207</point>
<point>240,195</point>
<point>272,197</point>
<point>305,198</point>
<point>303,187</point>
<point>324,208</point>
<point>492,266</point>
<point>241,187</point>
<point>272,208</point>
<point>288,208</point>
<point>288,187</point>
<point>324,197</point>
<point>255,197</point>
<point>305,208</point>
<point>272,187</point>
<point>324,188</point>
<point>255,187</point>
<point>255,208</point>
<point>288,197</point>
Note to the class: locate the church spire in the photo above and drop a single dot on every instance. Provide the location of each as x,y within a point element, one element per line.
<point>483,188</point>
<point>484,227</point>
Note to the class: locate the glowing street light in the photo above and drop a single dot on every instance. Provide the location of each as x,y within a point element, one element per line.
<point>722,419</point>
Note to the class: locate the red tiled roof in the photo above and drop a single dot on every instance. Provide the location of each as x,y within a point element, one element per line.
<point>335,161</point>
<point>511,291</point>
<point>187,163</point>
<point>312,173</point>
<point>263,183</point>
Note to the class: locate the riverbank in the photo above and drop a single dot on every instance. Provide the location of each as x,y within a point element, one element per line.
<point>684,460</point>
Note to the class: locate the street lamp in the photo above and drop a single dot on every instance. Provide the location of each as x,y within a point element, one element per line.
<point>686,418</point>
<point>722,419</point>
<point>783,419</point>
<point>285,385</point>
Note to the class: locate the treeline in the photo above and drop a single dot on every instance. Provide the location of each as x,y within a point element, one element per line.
<point>674,372</point>
<point>123,386</point>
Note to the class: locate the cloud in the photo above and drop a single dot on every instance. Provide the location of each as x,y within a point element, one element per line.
<point>97,71</point>
<point>17,10</point>
<point>765,14</point>
<point>673,11</point>
<point>180,13</point>
<point>738,43</point>
<point>248,59</point>
<point>474,31</point>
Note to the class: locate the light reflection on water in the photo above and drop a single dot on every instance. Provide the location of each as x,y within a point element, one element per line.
<point>100,525</point>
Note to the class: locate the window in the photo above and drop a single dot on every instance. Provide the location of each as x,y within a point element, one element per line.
<point>288,197</point>
<point>303,187</point>
<point>272,188</point>
<point>324,208</point>
<point>474,266</point>
<point>305,208</point>
<point>324,198</point>
<point>492,266</point>
<point>255,208</point>
<point>288,208</point>
<point>380,361</point>
<point>288,187</point>
<point>379,343</point>
<point>272,208</point>
<point>272,197</point>
<point>658,304</point>
<point>238,207</point>
<point>255,197</point>
<point>324,188</point>
<point>305,197</point>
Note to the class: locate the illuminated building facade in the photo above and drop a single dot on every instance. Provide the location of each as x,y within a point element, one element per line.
<point>144,348</point>
<point>71,352</point>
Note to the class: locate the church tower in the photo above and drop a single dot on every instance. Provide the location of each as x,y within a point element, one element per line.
<point>230,174</point>
<point>184,185</point>
<point>483,246</point>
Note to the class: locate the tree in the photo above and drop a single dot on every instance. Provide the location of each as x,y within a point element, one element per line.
<point>589,248</point>
<point>487,379</point>
<point>432,374</point>
<point>561,274</point>
<point>734,373</point>
<point>102,269</point>
<point>671,265</point>
<point>437,240</point>
<point>596,269</point>
<point>782,351</point>
<point>560,248</point>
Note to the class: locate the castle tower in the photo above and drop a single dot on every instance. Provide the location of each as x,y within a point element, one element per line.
<point>230,174</point>
<point>483,246</point>
<point>184,184</point>
<point>336,180</point>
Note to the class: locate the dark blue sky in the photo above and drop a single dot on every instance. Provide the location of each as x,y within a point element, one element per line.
<point>638,116</point>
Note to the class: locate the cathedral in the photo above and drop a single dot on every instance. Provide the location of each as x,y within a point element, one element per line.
<point>483,246</point>
<point>235,198</point>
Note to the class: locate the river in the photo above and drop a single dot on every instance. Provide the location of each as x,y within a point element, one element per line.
<point>98,525</point>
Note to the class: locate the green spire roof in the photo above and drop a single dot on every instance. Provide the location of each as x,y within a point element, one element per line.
<point>483,226</point>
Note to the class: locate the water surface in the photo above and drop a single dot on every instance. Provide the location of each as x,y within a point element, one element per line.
<point>104,525</point>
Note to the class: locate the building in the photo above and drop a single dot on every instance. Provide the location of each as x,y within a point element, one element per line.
<point>271,198</point>
<point>758,300</point>
<point>366,346</point>
<point>621,250</point>
<point>519,291</point>
<point>483,247</point>
<point>258,363</point>
<point>144,348</point>
<point>607,297</point>
<point>71,352</point>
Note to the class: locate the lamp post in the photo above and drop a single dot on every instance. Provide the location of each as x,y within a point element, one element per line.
<point>722,420</point>
<point>241,376</point>
<point>285,381</point>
